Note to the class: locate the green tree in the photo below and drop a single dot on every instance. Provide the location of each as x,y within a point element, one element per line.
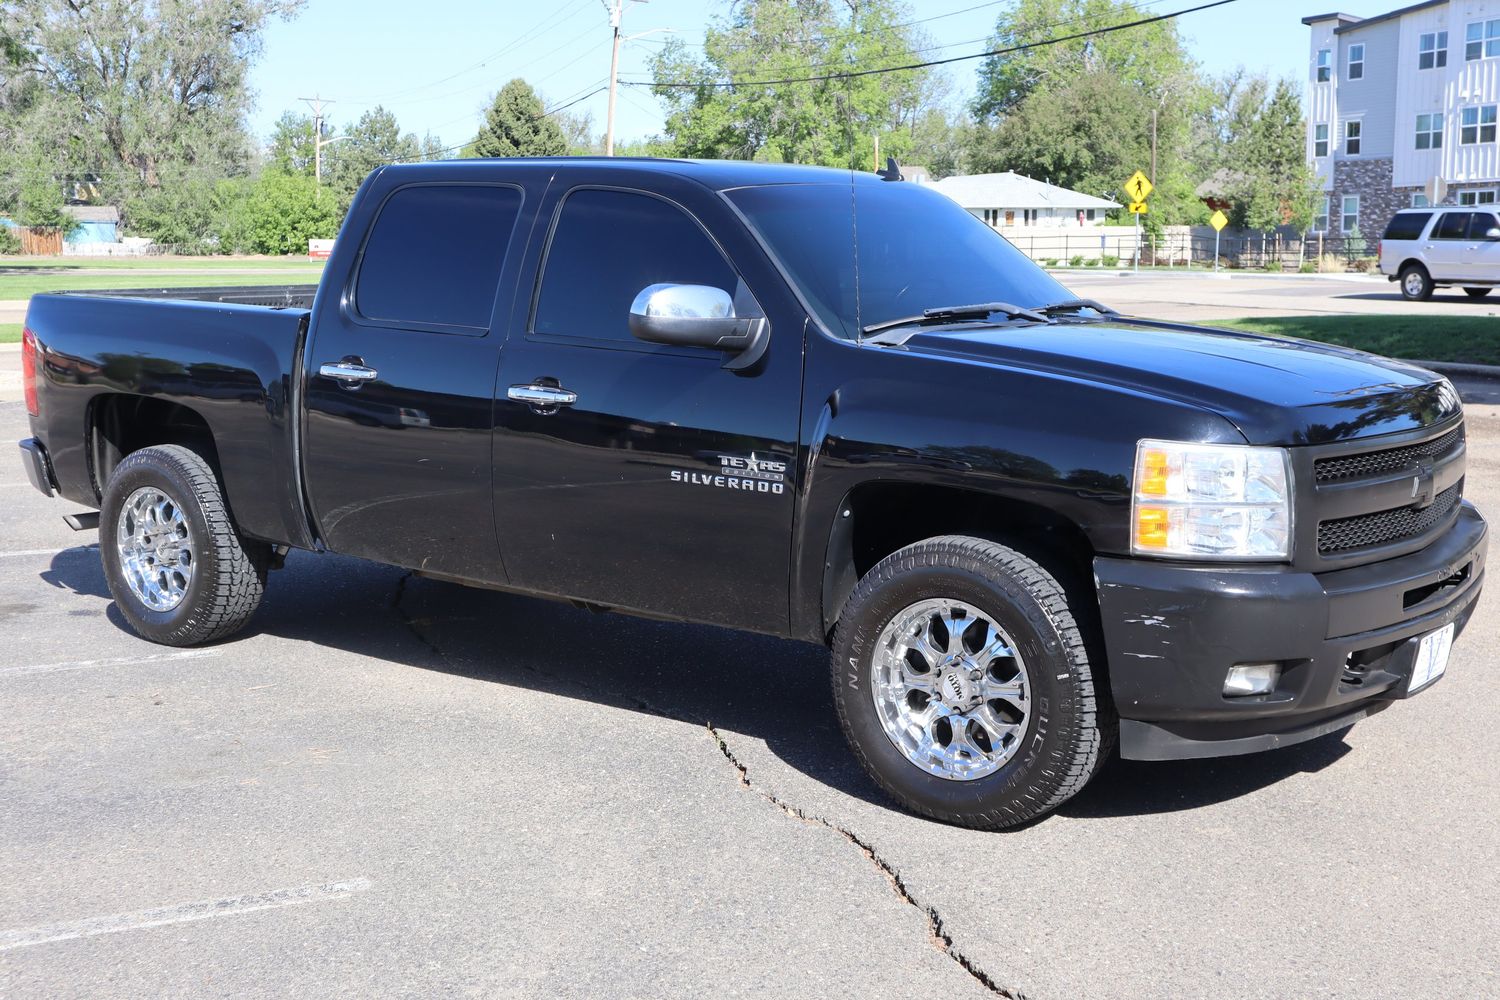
<point>1080,113</point>
<point>515,125</point>
<point>40,201</point>
<point>373,141</point>
<point>198,214</point>
<point>1276,186</point>
<point>282,212</point>
<point>829,122</point>
<point>291,149</point>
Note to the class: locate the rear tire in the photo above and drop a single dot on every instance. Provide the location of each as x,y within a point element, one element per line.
<point>981,741</point>
<point>177,567</point>
<point>1476,293</point>
<point>1416,283</point>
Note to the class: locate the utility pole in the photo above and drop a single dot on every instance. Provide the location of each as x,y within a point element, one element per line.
<point>316,103</point>
<point>616,9</point>
<point>1153,145</point>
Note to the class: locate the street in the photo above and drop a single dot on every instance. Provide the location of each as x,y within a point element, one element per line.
<point>391,785</point>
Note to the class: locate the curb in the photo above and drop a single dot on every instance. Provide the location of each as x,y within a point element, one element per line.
<point>1457,368</point>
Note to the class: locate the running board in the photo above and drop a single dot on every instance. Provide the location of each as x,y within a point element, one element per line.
<point>87,521</point>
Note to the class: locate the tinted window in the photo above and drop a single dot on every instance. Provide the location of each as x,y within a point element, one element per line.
<point>608,245</point>
<point>434,255</point>
<point>917,250</point>
<point>1407,226</point>
<point>1452,226</point>
<point>1481,223</point>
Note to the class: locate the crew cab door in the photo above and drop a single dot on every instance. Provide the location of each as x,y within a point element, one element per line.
<point>1447,246</point>
<point>400,371</point>
<point>647,477</point>
<point>1482,257</point>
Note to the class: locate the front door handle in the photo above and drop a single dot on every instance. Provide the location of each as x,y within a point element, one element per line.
<point>545,398</point>
<point>349,371</point>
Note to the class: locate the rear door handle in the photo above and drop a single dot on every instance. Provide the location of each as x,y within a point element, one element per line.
<point>348,371</point>
<point>545,398</point>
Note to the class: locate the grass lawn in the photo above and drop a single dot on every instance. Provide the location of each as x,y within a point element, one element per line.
<point>1464,339</point>
<point>65,264</point>
<point>10,333</point>
<point>24,284</point>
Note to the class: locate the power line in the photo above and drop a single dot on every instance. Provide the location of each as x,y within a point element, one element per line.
<point>928,63</point>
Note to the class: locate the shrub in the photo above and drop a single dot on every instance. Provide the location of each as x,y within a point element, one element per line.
<point>1273,266</point>
<point>284,211</point>
<point>1109,260</point>
<point>1308,267</point>
<point>1076,260</point>
<point>1331,264</point>
<point>10,242</point>
<point>1051,262</point>
<point>1362,264</point>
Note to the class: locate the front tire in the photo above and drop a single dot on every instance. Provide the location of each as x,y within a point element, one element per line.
<point>964,686</point>
<point>1476,293</point>
<point>1416,283</point>
<point>179,571</point>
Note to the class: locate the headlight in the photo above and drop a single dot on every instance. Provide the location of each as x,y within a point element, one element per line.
<point>1211,501</point>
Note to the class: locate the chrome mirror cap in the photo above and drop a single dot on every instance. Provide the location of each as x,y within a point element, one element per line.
<point>670,301</point>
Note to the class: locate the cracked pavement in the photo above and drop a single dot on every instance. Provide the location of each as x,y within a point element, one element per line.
<point>393,786</point>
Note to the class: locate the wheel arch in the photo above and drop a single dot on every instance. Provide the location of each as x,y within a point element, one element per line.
<point>119,424</point>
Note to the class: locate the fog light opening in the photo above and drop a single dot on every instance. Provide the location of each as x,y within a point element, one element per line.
<point>1246,679</point>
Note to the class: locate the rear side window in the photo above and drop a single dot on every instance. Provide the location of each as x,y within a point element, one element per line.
<point>434,256</point>
<point>1407,226</point>
<point>1481,223</point>
<point>607,246</point>
<point>1452,226</point>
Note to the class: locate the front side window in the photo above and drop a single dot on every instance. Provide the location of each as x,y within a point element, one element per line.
<point>1476,197</point>
<point>1356,62</point>
<point>1320,224</point>
<point>1432,50</point>
<point>1325,65</point>
<point>1350,221</point>
<point>1482,39</point>
<point>1478,125</point>
<point>1351,137</point>
<point>605,248</point>
<point>1452,226</point>
<point>434,256</point>
<point>1430,131</point>
<point>1320,140</point>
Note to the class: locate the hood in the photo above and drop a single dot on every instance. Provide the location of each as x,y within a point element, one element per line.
<point>1275,390</point>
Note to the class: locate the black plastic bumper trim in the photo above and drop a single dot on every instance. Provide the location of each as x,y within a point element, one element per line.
<point>38,468</point>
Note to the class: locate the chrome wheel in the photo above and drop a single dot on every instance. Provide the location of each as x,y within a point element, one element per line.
<point>156,552</point>
<point>951,689</point>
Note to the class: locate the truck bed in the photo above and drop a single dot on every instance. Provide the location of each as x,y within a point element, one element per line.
<point>272,296</point>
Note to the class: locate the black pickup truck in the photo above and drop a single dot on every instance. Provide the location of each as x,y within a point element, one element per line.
<point>800,402</point>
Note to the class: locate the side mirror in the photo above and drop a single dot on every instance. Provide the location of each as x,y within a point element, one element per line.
<point>698,316</point>
<point>1492,233</point>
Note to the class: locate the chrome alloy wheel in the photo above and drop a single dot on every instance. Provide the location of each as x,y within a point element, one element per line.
<point>951,689</point>
<point>156,551</point>
<point>1413,283</point>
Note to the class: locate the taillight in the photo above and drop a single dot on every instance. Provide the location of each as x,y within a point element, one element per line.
<point>28,368</point>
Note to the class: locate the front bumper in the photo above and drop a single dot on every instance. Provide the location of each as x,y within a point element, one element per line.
<point>38,468</point>
<point>1346,641</point>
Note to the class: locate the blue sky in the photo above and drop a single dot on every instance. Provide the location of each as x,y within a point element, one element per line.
<point>435,63</point>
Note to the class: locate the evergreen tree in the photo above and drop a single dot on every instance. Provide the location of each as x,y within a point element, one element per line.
<point>514,125</point>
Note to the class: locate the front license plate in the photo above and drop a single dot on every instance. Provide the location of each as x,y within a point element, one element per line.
<point>1432,658</point>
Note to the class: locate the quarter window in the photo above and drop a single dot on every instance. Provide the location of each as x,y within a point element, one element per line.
<point>1430,131</point>
<point>606,247</point>
<point>1482,39</point>
<point>1476,197</point>
<point>1350,221</point>
<point>1325,65</point>
<point>1407,226</point>
<point>1351,138</point>
<point>1432,50</point>
<point>1320,139</point>
<point>1356,62</point>
<point>1478,125</point>
<point>434,256</point>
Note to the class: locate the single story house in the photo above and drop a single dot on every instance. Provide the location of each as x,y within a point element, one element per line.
<point>1010,199</point>
<point>96,223</point>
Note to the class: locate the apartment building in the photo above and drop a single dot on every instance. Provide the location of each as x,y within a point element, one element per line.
<point>1401,106</point>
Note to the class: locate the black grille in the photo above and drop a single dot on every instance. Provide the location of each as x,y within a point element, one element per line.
<point>1368,530</point>
<point>1379,463</point>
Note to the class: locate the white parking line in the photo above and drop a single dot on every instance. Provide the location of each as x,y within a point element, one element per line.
<point>49,552</point>
<point>52,668</point>
<point>180,914</point>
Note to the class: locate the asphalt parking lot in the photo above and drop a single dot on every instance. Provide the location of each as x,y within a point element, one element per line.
<point>391,786</point>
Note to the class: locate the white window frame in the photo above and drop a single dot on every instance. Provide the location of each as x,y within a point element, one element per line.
<point>1433,132</point>
<point>1480,124</point>
<point>1357,139</point>
<point>1432,50</point>
<point>1419,200</point>
<point>1320,221</point>
<point>1478,197</point>
<point>1350,73</point>
<point>1345,215</point>
<point>1323,67</point>
<point>1320,143</point>
<point>1482,39</point>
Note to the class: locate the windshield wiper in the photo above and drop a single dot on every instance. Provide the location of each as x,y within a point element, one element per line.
<point>1077,305</point>
<point>942,314</point>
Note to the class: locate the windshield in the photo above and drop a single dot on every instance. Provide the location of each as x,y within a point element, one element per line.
<point>917,249</point>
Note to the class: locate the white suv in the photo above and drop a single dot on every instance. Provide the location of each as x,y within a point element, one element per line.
<point>1425,248</point>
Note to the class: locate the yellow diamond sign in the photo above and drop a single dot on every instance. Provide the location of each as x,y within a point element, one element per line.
<point>1218,220</point>
<point>1139,186</point>
<point>1137,208</point>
